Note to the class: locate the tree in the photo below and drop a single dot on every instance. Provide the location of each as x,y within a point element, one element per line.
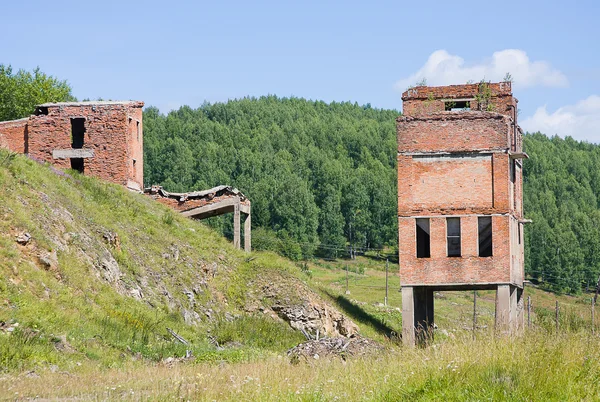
<point>21,92</point>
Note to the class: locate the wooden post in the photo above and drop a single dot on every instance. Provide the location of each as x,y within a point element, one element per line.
<point>385,301</point>
<point>474,313</point>
<point>529,312</point>
<point>347,290</point>
<point>556,317</point>
<point>593,318</point>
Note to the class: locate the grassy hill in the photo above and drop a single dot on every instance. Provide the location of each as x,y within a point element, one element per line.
<point>107,271</point>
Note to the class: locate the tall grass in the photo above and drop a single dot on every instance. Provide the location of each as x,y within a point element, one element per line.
<point>532,367</point>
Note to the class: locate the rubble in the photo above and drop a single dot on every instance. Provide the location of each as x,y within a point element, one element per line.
<point>334,347</point>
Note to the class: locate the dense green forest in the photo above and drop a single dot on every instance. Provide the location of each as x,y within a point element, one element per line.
<point>322,177</point>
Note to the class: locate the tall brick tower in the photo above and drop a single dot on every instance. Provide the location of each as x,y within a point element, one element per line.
<point>460,211</point>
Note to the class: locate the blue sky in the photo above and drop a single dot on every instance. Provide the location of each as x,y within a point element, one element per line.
<point>181,52</point>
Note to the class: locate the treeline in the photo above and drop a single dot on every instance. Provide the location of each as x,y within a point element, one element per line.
<point>561,196</point>
<point>321,177</point>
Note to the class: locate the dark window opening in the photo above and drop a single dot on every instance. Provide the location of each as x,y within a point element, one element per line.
<point>457,106</point>
<point>77,164</point>
<point>41,110</point>
<point>519,231</point>
<point>485,236</point>
<point>513,171</point>
<point>453,236</point>
<point>137,128</point>
<point>423,238</point>
<point>77,132</point>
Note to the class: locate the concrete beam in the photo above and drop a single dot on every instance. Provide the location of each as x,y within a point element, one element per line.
<point>503,308</point>
<point>72,153</point>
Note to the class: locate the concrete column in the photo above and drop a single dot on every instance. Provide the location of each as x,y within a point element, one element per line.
<point>248,234</point>
<point>423,297</point>
<point>520,311</point>
<point>408,316</point>
<point>503,308</point>
<point>513,310</point>
<point>236,224</point>
<point>417,315</point>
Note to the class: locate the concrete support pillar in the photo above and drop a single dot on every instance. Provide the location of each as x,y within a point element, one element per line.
<point>236,224</point>
<point>408,316</point>
<point>503,308</point>
<point>513,310</point>
<point>520,325</point>
<point>248,234</point>
<point>417,315</point>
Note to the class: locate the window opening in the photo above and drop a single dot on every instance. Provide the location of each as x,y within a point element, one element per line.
<point>457,106</point>
<point>77,133</point>
<point>485,236</point>
<point>453,236</point>
<point>423,238</point>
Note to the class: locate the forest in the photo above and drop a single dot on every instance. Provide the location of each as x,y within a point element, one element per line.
<point>322,180</point>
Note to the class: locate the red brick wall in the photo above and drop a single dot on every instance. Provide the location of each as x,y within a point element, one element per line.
<point>108,134</point>
<point>453,132</point>
<point>467,269</point>
<point>13,135</point>
<point>425,100</point>
<point>458,164</point>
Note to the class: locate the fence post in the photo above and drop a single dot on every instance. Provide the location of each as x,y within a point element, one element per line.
<point>593,318</point>
<point>529,312</point>
<point>347,290</point>
<point>556,317</point>
<point>387,262</point>
<point>474,313</point>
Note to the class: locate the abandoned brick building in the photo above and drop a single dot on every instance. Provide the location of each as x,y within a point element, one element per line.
<point>460,212</point>
<point>101,139</point>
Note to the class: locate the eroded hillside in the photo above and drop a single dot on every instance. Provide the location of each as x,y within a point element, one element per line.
<point>92,272</point>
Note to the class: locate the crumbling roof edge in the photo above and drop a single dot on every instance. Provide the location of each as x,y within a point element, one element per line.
<point>92,103</point>
<point>194,194</point>
<point>17,121</point>
<point>469,115</point>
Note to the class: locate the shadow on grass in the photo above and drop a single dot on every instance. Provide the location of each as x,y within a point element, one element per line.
<point>358,314</point>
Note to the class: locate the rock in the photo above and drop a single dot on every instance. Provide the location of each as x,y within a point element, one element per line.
<point>23,238</point>
<point>113,240</point>
<point>62,345</point>
<point>311,317</point>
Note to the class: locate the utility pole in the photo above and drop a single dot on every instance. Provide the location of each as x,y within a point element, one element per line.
<point>387,263</point>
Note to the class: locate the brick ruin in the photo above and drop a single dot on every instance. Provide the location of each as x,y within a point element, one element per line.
<point>105,140</point>
<point>205,204</point>
<point>460,210</point>
<point>100,139</point>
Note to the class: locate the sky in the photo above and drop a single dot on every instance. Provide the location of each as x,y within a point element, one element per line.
<point>176,53</point>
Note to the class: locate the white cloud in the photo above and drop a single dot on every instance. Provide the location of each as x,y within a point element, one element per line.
<point>443,68</point>
<point>580,121</point>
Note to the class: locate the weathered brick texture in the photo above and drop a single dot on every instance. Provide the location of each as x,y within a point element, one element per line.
<point>113,135</point>
<point>460,164</point>
<point>13,135</point>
